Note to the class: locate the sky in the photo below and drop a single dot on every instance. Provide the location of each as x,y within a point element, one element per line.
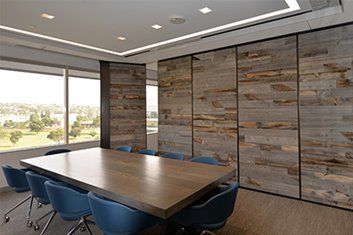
<point>22,87</point>
<point>32,88</point>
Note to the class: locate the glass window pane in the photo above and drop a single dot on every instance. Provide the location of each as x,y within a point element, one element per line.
<point>31,110</point>
<point>152,109</point>
<point>84,111</point>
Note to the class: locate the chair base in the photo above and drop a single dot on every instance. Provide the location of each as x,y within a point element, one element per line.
<point>28,221</point>
<point>82,224</point>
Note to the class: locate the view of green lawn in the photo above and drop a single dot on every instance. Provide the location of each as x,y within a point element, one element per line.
<point>31,139</point>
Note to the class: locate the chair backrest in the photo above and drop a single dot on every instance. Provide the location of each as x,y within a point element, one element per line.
<point>115,218</point>
<point>65,199</point>
<point>36,184</point>
<point>177,156</point>
<point>219,207</point>
<point>147,152</point>
<point>206,160</point>
<point>124,149</point>
<point>57,151</point>
<point>15,178</point>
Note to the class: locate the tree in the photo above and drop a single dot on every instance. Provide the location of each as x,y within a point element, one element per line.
<point>93,133</point>
<point>35,124</point>
<point>47,121</point>
<point>8,124</point>
<point>15,136</point>
<point>96,122</point>
<point>56,135</point>
<point>3,133</point>
<point>76,127</point>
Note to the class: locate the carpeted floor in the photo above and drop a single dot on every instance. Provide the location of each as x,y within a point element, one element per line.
<point>255,213</point>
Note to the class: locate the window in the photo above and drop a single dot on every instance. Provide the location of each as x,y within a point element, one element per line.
<point>33,110</point>
<point>84,115</point>
<point>152,109</point>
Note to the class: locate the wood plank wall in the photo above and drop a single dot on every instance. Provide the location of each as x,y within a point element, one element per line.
<point>326,115</point>
<point>268,120</point>
<point>128,105</point>
<point>318,166</point>
<point>215,105</point>
<point>175,106</point>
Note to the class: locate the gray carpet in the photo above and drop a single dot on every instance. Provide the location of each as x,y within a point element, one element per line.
<point>255,213</point>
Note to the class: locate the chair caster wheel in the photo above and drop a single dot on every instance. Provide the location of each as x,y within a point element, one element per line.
<point>39,205</point>
<point>82,229</point>
<point>6,219</point>
<point>36,227</point>
<point>29,223</point>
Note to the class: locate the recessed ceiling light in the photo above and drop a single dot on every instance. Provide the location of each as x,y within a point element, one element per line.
<point>205,10</point>
<point>156,26</point>
<point>121,38</point>
<point>47,16</point>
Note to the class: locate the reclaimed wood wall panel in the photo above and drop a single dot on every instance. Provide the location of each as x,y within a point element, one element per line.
<point>215,105</point>
<point>175,106</point>
<point>326,115</point>
<point>128,105</point>
<point>268,116</point>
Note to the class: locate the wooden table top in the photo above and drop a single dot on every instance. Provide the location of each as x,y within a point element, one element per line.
<point>155,185</point>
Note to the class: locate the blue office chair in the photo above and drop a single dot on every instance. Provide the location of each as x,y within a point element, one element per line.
<point>206,160</point>
<point>210,212</point>
<point>124,149</point>
<point>36,184</point>
<point>115,218</point>
<point>16,179</point>
<point>70,202</point>
<point>177,156</point>
<point>147,152</point>
<point>57,151</point>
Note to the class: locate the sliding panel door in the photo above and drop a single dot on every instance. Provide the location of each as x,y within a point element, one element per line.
<point>326,115</point>
<point>128,105</point>
<point>268,120</point>
<point>175,106</point>
<point>215,105</point>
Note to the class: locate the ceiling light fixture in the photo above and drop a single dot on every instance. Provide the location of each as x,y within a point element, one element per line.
<point>292,6</point>
<point>121,38</point>
<point>156,26</point>
<point>205,10</point>
<point>47,16</point>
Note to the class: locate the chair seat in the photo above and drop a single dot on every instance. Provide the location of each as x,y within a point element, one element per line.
<point>21,189</point>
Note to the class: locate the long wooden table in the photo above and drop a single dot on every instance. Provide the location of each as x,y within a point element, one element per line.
<point>155,185</point>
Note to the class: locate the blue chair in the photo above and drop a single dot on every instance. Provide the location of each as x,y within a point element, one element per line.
<point>147,152</point>
<point>57,151</point>
<point>16,179</point>
<point>70,202</point>
<point>177,156</point>
<point>36,184</point>
<point>115,218</point>
<point>210,212</point>
<point>206,160</point>
<point>124,149</point>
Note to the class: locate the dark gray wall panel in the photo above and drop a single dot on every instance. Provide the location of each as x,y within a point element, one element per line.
<point>128,105</point>
<point>268,120</point>
<point>215,105</point>
<point>175,106</point>
<point>326,115</point>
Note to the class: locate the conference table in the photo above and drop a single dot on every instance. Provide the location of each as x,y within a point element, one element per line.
<point>155,185</point>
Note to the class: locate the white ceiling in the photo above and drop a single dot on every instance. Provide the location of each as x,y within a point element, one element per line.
<point>94,31</point>
<point>98,23</point>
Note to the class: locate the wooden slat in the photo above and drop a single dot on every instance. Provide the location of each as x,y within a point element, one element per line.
<point>326,115</point>
<point>215,105</point>
<point>268,120</point>
<point>155,185</point>
<point>174,105</point>
<point>127,105</point>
